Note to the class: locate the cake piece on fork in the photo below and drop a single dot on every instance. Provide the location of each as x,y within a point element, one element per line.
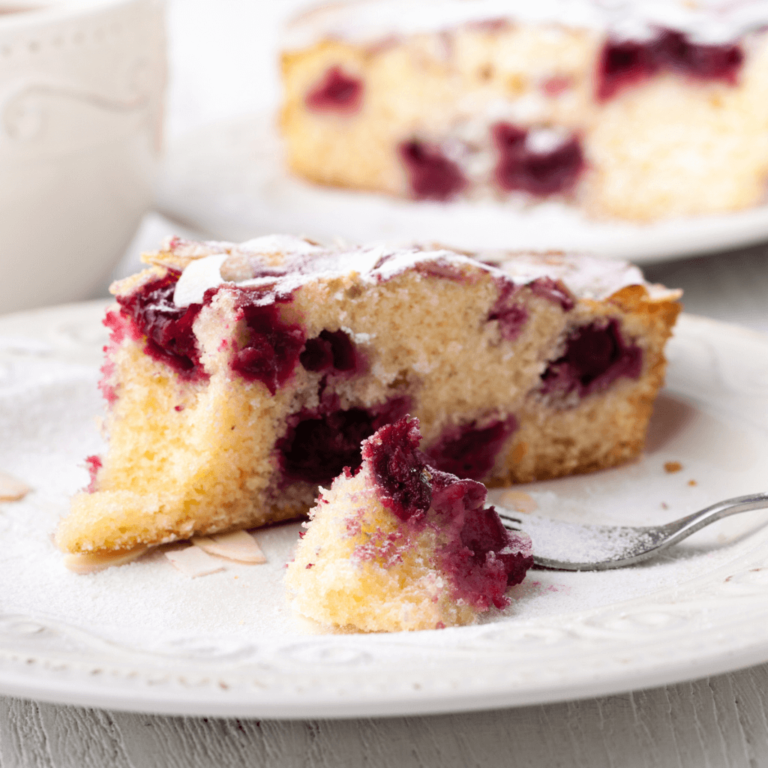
<point>401,545</point>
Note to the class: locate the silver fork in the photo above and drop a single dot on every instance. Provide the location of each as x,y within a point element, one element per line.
<point>573,547</point>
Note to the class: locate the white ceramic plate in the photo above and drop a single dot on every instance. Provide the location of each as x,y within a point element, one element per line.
<point>230,181</point>
<point>145,637</point>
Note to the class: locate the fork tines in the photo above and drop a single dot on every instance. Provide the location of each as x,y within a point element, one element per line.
<point>511,523</point>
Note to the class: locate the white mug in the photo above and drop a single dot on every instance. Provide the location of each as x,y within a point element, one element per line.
<point>81,103</point>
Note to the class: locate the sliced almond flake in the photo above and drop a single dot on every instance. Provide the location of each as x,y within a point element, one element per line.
<point>12,489</point>
<point>520,501</point>
<point>193,562</point>
<point>237,545</point>
<point>91,562</point>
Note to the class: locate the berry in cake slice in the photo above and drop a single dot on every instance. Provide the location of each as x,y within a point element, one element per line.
<point>240,378</point>
<point>400,545</point>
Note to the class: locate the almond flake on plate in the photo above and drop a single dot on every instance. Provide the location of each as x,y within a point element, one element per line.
<point>193,562</point>
<point>520,501</point>
<point>12,489</point>
<point>236,545</point>
<point>90,562</point>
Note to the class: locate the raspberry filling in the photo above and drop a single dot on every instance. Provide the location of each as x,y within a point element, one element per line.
<point>540,173</point>
<point>120,326</point>
<point>471,451</point>
<point>94,464</point>
<point>478,554</point>
<point>320,443</point>
<point>166,327</point>
<point>512,317</point>
<point>626,63</point>
<point>553,290</point>
<point>483,532</point>
<point>272,349</point>
<point>400,470</point>
<point>441,268</point>
<point>595,356</point>
<point>331,352</point>
<point>432,175</point>
<point>337,92</point>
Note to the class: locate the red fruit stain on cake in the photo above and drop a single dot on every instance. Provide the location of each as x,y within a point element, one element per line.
<point>167,329</point>
<point>94,464</point>
<point>404,485</point>
<point>331,352</point>
<point>272,349</point>
<point>628,62</point>
<point>540,173</point>
<point>555,291</point>
<point>595,356</point>
<point>471,451</point>
<point>511,316</point>
<point>386,548</point>
<point>431,174</point>
<point>480,557</point>
<point>120,328</point>
<point>320,443</point>
<point>442,268</point>
<point>337,92</point>
<point>557,85</point>
<point>511,319</point>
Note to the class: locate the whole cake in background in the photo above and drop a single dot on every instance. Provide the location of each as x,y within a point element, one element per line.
<point>403,546</point>
<point>638,109</point>
<point>240,378</point>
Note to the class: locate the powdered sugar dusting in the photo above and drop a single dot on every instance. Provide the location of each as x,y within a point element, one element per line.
<point>710,21</point>
<point>576,543</point>
<point>586,276</point>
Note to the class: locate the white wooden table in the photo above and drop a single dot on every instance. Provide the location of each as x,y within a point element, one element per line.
<point>722,721</point>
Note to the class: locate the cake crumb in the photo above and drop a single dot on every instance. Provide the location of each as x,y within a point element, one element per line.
<point>194,562</point>
<point>692,482</point>
<point>672,466</point>
<point>520,501</point>
<point>12,489</point>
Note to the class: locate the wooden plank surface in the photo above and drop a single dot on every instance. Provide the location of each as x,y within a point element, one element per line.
<point>720,721</point>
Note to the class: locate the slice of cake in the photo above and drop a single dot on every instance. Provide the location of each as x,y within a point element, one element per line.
<point>401,545</point>
<point>637,110</point>
<point>239,378</point>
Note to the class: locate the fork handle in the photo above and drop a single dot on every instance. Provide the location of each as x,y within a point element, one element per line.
<point>685,526</point>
